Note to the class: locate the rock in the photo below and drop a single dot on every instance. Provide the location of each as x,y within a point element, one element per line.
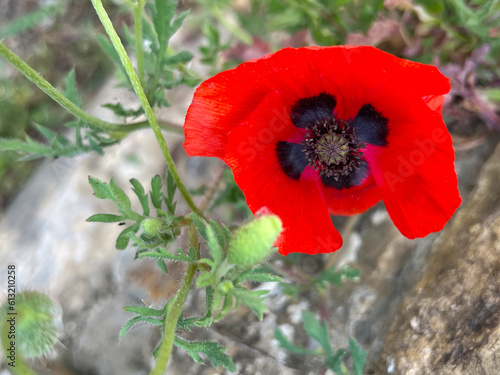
<point>450,322</point>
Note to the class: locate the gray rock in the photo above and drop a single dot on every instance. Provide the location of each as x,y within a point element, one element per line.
<point>449,323</point>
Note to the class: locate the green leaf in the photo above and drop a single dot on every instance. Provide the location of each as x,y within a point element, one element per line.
<point>144,311</point>
<point>179,58</point>
<point>105,218</point>
<point>162,266</point>
<point>29,148</point>
<point>28,21</point>
<point>251,298</point>
<point>48,134</point>
<point>176,25</point>
<point>200,225</point>
<point>336,277</point>
<point>156,194</point>
<point>138,319</point>
<point>71,92</point>
<point>222,239</point>
<point>124,237</point>
<point>288,345</point>
<point>101,189</point>
<point>358,357</point>
<point>171,187</point>
<point>258,276</point>
<point>216,251</point>
<point>121,199</point>
<point>204,280</point>
<point>141,194</point>
<point>164,12</point>
<point>118,110</point>
<point>108,48</point>
<point>317,331</point>
<point>334,362</point>
<point>213,351</point>
<point>161,253</point>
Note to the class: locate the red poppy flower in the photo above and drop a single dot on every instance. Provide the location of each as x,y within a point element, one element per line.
<point>316,131</point>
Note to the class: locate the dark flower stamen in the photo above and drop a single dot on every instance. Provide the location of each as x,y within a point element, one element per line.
<point>332,148</point>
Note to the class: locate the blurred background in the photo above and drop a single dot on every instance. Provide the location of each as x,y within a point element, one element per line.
<point>427,306</point>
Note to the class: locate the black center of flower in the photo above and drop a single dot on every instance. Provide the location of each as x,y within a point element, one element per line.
<point>331,147</point>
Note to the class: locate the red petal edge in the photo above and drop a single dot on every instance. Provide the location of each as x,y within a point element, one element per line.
<point>415,173</point>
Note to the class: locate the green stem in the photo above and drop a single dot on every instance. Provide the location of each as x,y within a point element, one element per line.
<point>174,313</point>
<point>139,53</point>
<point>64,102</point>
<point>51,91</point>
<point>136,84</point>
<point>171,320</point>
<point>20,366</point>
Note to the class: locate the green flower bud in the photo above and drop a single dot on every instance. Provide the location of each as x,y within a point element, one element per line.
<point>154,227</point>
<point>35,324</point>
<point>253,242</point>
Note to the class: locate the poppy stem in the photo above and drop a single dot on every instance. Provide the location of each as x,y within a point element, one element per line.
<point>93,122</point>
<point>139,53</point>
<point>172,317</point>
<point>139,90</point>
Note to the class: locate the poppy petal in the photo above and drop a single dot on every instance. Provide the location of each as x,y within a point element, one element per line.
<point>353,200</point>
<point>371,126</point>
<point>415,173</point>
<point>291,158</point>
<point>309,110</point>
<point>299,203</point>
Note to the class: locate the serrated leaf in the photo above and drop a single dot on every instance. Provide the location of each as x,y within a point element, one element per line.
<point>288,345</point>
<point>144,311</point>
<point>251,298</point>
<point>30,148</point>
<point>358,357</point>
<point>101,189</point>
<point>213,351</point>
<point>135,320</point>
<point>164,12</point>
<point>317,331</point>
<point>141,195</point>
<point>105,218</point>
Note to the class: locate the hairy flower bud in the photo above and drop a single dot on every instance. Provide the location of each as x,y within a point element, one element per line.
<point>37,321</point>
<point>154,227</point>
<point>253,242</point>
